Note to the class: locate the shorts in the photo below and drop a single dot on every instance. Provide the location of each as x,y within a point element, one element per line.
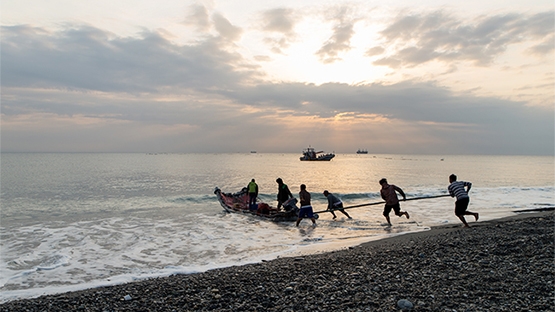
<point>306,212</point>
<point>461,205</point>
<point>396,208</point>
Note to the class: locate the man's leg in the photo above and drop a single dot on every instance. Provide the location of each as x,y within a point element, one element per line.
<point>461,217</point>
<point>475,214</point>
<point>460,210</point>
<point>386,211</point>
<point>345,213</point>
<point>387,218</point>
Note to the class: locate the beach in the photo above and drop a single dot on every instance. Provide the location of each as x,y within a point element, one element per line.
<point>497,265</point>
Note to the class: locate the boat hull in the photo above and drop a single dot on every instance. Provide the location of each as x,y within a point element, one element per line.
<point>310,154</point>
<point>239,203</point>
<point>319,158</point>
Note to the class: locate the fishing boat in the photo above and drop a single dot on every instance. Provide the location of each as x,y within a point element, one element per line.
<point>239,203</point>
<point>311,155</point>
<point>362,151</point>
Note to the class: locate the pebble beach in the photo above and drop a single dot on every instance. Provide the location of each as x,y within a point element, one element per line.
<point>499,265</point>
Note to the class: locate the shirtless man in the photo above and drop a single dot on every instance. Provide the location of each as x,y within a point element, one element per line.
<point>306,208</point>
<point>388,193</point>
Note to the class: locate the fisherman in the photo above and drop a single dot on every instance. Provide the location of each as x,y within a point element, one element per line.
<point>253,192</point>
<point>388,193</point>
<point>335,203</point>
<point>283,193</point>
<point>457,189</point>
<point>306,208</point>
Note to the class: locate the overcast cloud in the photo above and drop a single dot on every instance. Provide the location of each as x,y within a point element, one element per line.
<point>417,39</point>
<point>83,88</point>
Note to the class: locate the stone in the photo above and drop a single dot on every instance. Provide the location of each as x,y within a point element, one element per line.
<point>404,304</point>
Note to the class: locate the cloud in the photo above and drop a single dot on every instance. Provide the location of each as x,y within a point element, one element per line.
<point>339,42</point>
<point>280,24</point>
<point>415,39</point>
<point>377,50</point>
<point>85,89</point>
<point>422,107</point>
<point>225,28</point>
<point>88,58</point>
<point>198,17</point>
<point>545,47</point>
<point>279,20</point>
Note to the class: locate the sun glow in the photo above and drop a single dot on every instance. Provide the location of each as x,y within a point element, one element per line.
<point>299,61</point>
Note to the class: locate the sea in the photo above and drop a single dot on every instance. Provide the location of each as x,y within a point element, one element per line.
<point>72,221</point>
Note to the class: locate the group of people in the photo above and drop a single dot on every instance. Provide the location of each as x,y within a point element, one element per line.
<point>388,192</point>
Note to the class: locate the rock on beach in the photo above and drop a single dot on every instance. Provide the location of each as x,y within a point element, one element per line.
<point>499,265</point>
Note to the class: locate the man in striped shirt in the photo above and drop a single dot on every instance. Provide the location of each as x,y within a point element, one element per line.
<point>457,189</point>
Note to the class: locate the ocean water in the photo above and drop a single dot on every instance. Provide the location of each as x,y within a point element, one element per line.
<point>76,221</point>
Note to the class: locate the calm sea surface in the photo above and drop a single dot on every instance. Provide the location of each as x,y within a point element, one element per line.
<point>74,221</point>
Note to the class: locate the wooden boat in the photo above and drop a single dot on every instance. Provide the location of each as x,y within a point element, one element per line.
<point>310,154</point>
<point>239,203</point>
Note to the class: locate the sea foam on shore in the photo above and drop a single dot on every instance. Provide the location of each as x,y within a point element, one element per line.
<point>497,265</point>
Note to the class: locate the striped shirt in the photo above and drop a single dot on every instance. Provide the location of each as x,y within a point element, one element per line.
<point>456,189</point>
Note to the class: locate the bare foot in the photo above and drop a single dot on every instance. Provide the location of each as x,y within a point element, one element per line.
<point>466,226</point>
<point>476,216</point>
<point>407,214</point>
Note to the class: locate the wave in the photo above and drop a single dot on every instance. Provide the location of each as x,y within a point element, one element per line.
<point>46,264</point>
<point>211,199</point>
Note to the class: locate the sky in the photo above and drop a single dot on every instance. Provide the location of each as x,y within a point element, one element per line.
<point>433,77</point>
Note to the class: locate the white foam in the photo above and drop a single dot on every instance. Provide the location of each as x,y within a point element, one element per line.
<point>55,257</point>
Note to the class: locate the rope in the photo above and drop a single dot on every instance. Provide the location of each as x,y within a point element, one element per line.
<point>382,202</point>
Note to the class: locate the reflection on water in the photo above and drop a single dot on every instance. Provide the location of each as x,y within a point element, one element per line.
<point>84,220</point>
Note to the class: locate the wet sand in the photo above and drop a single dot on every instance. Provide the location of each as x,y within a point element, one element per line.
<point>499,265</point>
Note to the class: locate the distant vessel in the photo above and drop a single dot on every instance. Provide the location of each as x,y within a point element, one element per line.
<point>253,152</point>
<point>310,154</point>
<point>362,151</point>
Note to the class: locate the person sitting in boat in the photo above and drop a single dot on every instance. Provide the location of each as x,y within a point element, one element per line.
<point>263,209</point>
<point>335,203</point>
<point>290,206</point>
<point>253,192</point>
<point>283,193</point>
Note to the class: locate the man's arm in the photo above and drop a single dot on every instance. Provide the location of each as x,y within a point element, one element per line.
<point>468,186</point>
<point>398,189</point>
<point>330,202</point>
<point>301,197</point>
